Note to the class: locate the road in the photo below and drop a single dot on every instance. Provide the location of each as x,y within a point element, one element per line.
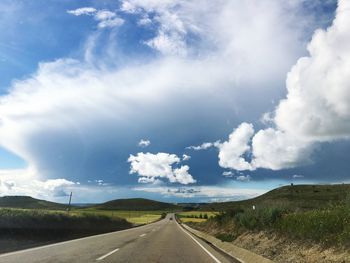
<point>162,241</point>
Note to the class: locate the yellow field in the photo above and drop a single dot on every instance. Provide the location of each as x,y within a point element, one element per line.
<point>194,216</point>
<point>135,217</point>
<point>195,220</point>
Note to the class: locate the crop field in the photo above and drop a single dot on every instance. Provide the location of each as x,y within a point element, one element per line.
<point>195,216</point>
<point>134,217</point>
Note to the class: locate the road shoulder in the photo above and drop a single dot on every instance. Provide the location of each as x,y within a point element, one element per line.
<point>241,254</point>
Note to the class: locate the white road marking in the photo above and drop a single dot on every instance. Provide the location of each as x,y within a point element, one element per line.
<point>108,254</point>
<point>199,244</point>
<point>142,235</point>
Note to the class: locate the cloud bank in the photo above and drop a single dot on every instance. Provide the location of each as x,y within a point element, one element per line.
<point>71,111</point>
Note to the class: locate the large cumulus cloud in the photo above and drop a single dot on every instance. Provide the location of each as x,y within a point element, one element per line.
<point>315,110</point>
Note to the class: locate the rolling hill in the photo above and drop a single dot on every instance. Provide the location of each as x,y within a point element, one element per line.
<point>302,197</point>
<point>136,204</point>
<point>27,202</point>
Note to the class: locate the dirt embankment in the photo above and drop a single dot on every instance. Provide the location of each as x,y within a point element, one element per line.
<point>278,248</point>
<point>284,250</point>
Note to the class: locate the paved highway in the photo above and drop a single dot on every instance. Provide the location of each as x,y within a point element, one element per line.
<point>163,241</point>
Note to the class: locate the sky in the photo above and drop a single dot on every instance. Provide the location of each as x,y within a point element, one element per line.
<point>173,100</point>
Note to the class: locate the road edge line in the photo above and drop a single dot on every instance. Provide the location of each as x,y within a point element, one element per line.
<point>199,244</point>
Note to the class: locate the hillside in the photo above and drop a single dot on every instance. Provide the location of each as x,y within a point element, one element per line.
<point>136,204</point>
<point>27,202</point>
<point>302,197</point>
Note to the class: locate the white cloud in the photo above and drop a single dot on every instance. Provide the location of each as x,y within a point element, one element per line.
<point>295,176</point>
<point>182,176</point>
<point>105,18</point>
<point>144,143</point>
<point>231,152</point>
<point>274,149</point>
<point>228,173</point>
<point>82,11</point>
<point>270,149</point>
<point>317,106</point>
<point>114,22</point>
<point>243,178</point>
<point>154,166</point>
<point>104,15</point>
<point>185,157</point>
<point>26,182</point>
<point>204,146</point>
<point>172,30</point>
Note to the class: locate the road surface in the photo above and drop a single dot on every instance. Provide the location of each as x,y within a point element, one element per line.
<point>163,241</point>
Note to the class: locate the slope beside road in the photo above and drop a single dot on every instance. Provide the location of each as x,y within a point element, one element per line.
<point>163,241</point>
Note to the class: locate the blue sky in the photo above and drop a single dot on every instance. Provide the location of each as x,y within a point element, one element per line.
<point>262,83</point>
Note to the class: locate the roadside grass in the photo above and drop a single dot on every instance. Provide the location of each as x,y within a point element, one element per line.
<point>327,226</point>
<point>313,213</point>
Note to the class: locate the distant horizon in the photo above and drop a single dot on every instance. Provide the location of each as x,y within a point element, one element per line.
<point>170,202</point>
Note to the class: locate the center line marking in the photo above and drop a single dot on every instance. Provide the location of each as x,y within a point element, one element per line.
<point>108,254</point>
<point>142,235</point>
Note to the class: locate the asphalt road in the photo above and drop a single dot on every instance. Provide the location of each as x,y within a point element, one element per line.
<point>163,241</point>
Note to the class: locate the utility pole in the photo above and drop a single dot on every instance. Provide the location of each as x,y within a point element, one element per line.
<point>70,200</point>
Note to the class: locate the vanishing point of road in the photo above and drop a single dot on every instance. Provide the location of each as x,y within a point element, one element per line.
<point>162,241</point>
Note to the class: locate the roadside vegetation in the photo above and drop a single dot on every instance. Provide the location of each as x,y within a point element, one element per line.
<point>317,214</point>
<point>329,226</point>
<point>41,222</point>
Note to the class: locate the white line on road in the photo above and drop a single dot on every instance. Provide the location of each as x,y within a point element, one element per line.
<point>108,254</point>
<point>73,240</point>
<point>199,244</point>
<point>142,235</point>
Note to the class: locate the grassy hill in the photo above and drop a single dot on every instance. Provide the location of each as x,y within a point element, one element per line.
<point>302,197</point>
<point>136,204</point>
<point>27,202</point>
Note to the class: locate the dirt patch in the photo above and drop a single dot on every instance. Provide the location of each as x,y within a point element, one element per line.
<point>284,250</point>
